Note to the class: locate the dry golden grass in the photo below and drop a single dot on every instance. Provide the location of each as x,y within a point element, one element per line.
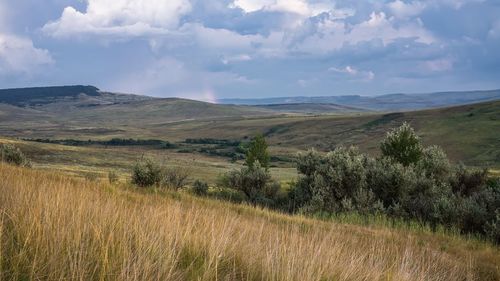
<point>53,227</point>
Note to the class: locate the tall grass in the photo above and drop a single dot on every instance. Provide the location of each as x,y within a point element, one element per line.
<point>57,228</point>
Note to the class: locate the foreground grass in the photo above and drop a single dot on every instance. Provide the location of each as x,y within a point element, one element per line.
<point>53,227</point>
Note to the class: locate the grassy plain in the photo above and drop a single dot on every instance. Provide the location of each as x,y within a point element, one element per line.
<point>54,227</point>
<point>467,133</point>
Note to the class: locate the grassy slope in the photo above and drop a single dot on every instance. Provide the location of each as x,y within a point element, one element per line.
<point>100,160</point>
<point>467,133</point>
<point>57,228</point>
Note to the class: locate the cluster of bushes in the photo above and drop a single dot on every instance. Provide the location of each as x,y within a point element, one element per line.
<point>254,179</point>
<point>222,142</point>
<point>233,149</point>
<point>408,181</point>
<point>112,142</point>
<point>13,155</point>
<point>148,173</point>
<point>233,155</point>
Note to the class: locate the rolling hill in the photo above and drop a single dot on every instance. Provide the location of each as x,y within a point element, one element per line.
<point>390,102</point>
<point>468,132</point>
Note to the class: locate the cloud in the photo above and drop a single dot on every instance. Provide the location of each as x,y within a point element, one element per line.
<point>18,55</point>
<point>438,65</point>
<point>494,32</point>
<point>406,10</point>
<point>253,47</point>
<point>120,18</point>
<point>169,76</point>
<point>300,7</point>
<point>457,4</point>
<point>325,34</point>
<point>356,74</point>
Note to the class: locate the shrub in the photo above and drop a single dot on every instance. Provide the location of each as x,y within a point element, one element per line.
<point>200,188</point>
<point>13,155</point>
<point>434,164</point>
<point>329,179</point>
<point>428,190</point>
<point>468,181</point>
<point>389,180</point>
<point>91,176</point>
<point>146,173</point>
<point>174,178</point>
<point>492,228</point>
<point>112,177</point>
<point>255,182</point>
<point>480,212</point>
<point>402,145</point>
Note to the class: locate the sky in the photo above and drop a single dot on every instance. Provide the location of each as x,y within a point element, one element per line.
<point>211,49</point>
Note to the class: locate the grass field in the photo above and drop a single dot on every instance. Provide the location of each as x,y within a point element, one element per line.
<point>467,133</point>
<point>99,160</point>
<point>53,227</point>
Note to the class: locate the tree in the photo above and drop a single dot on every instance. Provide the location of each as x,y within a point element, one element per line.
<point>257,151</point>
<point>402,145</point>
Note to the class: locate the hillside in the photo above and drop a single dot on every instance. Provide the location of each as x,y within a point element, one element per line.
<point>467,133</point>
<point>311,108</point>
<point>73,229</point>
<point>85,109</point>
<point>389,102</point>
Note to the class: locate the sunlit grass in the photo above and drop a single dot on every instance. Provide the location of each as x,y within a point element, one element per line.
<point>53,227</point>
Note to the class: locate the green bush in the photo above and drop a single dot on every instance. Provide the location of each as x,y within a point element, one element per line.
<point>408,182</point>
<point>389,180</point>
<point>434,164</point>
<point>402,145</point>
<point>200,188</point>
<point>468,181</point>
<point>13,155</point>
<point>146,173</point>
<point>255,182</point>
<point>332,183</point>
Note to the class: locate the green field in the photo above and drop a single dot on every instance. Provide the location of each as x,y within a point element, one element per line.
<point>467,133</point>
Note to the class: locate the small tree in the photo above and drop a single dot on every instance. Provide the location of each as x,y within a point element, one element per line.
<point>402,145</point>
<point>257,151</point>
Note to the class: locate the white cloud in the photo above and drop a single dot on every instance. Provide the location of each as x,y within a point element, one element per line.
<point>332,34</point>
<point>457,4</point>
<point>120,17</point>
<point>405,10</point>
<point>359,75</point>
<point>18,55</point>
<point>171,77</point>
<point>438,65</point>
<point>300,7</point>
<point>495,30</point>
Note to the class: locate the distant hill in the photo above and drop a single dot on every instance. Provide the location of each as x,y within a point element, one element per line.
<point>44,95</point>
<point>390,102</point>
<point>48,108</point>
<point>467,132</point>
<point>312,108</point>
<point>78,96</point>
